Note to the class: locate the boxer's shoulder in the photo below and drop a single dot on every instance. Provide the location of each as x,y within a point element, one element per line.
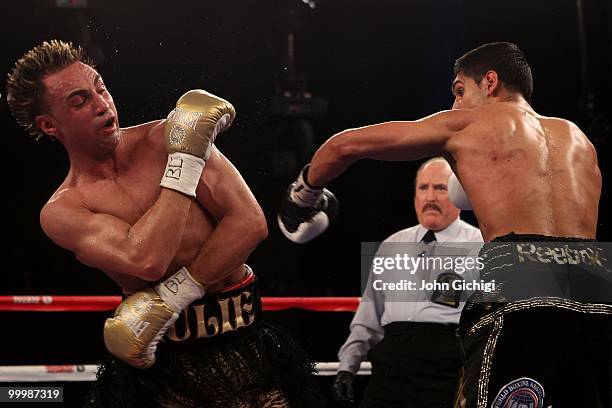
<point>62,206</point>
<point>499,119</point>
<point>64,198</point>
<point>75,194</point>
<point>150,133</point>
<point>155,134</point>
<point>566,132</point>
<point>560,124</point>
<point>496,113</point>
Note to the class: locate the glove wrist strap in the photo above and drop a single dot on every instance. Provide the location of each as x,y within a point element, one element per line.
<point>183,173</point>
<point>302,193</point>
<point>179,290</point>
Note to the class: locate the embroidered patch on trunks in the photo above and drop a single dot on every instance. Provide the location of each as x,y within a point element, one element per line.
<point>520,393</point>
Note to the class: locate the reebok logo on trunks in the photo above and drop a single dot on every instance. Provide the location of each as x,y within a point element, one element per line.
<point>561,255</point>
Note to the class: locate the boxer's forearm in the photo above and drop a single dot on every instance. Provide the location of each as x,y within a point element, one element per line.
<point>389,141</point>
<point>343,149</point>
<point>198,118</point>
<point>331,159</point>
<point>228,247</point>
<point>156,236</point>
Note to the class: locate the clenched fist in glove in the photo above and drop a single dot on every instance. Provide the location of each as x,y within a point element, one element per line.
<point>306,211</point>
<point>191,129</point>
<point>144,317</point>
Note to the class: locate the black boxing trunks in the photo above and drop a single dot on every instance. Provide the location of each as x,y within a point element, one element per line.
<point>218,354</point>
<point>543,337</point>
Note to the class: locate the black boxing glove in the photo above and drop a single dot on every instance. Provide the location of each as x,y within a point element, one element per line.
<point>306,211</point>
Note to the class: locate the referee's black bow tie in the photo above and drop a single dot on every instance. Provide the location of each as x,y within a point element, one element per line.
<point>428,237</point>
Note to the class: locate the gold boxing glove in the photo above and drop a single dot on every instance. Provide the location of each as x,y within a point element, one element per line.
<point>198,118</point>
<point>190,130</point>
<point>144,317</point>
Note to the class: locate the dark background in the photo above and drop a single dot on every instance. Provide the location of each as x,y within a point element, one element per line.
<point>363,62</point>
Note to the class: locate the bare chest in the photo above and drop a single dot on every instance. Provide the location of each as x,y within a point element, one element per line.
<point>130,195</point>
<point>127,197</point>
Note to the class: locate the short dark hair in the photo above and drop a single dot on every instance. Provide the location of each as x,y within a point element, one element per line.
<point>506,59</point>
<point>24,87</point>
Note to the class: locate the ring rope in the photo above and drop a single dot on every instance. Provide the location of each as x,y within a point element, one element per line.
<point>87,372</point>
<point>52,303</point>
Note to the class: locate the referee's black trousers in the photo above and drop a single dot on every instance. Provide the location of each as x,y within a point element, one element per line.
<point>416,365</point>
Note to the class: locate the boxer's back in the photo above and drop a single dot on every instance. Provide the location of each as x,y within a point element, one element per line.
<point>527,173</point>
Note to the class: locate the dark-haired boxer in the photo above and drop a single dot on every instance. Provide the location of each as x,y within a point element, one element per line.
<point>175,246</point>
<point>529,178</point>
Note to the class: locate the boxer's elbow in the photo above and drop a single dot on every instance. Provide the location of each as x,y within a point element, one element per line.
<point>153,272</point>
<point>249,225</point>
<point>248,220</point>
<point>262,229</point>
<point>149,268</point>
<point>258,228</point>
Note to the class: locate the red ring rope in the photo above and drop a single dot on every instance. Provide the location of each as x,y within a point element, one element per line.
<point>109,303</point>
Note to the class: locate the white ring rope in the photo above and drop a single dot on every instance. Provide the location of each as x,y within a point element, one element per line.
<point>87,372</point>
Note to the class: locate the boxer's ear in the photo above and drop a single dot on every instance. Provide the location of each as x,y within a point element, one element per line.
<point>491,82</point>
<point>46,125</point>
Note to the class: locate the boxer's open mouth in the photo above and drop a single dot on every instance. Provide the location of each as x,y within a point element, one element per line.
<point>109,123</point>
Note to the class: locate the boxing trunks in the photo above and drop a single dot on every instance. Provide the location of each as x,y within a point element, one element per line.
<point>543,337</point>
<point>219,353</point>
